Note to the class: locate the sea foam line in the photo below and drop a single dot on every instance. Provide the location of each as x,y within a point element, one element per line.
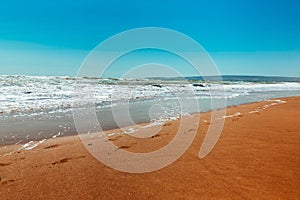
<point>29,145</point>
<point>257,110</point>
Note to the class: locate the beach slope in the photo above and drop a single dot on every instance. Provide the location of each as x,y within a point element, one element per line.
<point>256,157</point>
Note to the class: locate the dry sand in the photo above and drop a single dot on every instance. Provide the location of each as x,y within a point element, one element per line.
<point>256,157</point>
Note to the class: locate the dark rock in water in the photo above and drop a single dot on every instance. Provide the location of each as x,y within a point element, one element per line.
<point>113,79</point>
<point>157,85</point>
<point>198,85</point>
<point>70,78</point>
<point>27,92</point>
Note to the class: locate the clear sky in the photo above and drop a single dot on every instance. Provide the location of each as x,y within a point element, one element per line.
<point>244,37</point>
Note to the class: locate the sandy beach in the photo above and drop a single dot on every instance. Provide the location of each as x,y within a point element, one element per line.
<point>256,157</point>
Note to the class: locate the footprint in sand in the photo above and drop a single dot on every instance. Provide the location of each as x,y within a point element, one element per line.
<point>238,117</point>
<point>64,160</point>
<point>8,181</point>
<point>51,146</point>
<point>167,124</point>
<point>124,147</point>
<point>4,164</point>
<point>191,130</point>
<point>115,138</point>
<point>154,136</point>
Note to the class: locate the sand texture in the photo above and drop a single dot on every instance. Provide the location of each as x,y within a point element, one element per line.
<point>256,157</point>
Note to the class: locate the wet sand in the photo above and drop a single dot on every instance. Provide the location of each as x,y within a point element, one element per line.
<point>256,157</point>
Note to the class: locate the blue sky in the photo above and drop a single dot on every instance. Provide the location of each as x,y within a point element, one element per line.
<point>243,37</point>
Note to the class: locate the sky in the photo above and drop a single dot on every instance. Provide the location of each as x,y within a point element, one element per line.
<point>249,37</point>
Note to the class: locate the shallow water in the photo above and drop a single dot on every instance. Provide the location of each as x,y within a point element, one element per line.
<point>37,108</point>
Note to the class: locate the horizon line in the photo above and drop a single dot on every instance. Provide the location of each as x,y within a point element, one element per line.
<point>190,76</point>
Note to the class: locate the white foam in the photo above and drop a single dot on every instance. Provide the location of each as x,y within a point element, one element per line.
<point>33,145</point>
<point>234,115</point>
<point>28,146</point>
<point>130,130</point>
<point>254,111</point>
<point>40,95</point>
<point>264,107</point>
<point>55,136</point>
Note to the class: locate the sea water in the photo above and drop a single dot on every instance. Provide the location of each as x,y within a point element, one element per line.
<point>35,108</point>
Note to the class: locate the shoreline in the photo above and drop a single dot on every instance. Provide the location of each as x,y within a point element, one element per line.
<point>257,156</point>
<point>61,134</point>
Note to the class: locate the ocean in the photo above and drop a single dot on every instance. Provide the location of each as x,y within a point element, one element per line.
<point>35,108</point>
